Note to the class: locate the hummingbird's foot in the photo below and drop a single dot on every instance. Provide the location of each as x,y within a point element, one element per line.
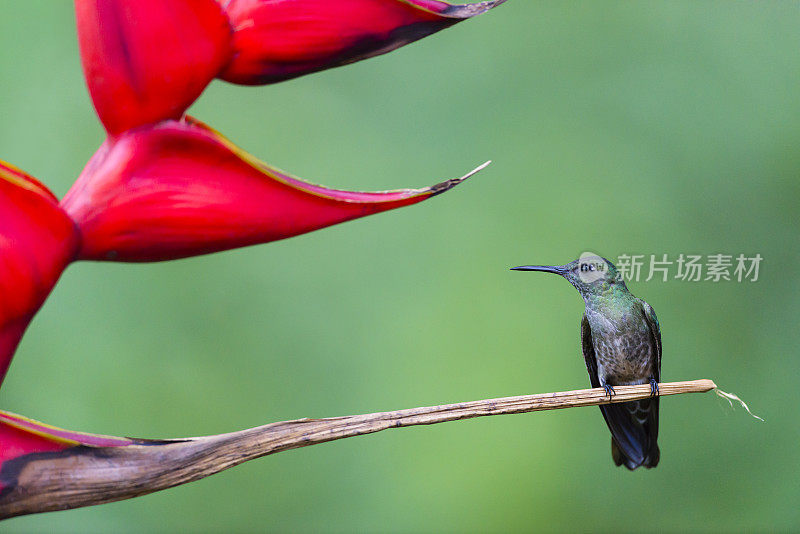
<point>610,390</point>
<point>653,387</point>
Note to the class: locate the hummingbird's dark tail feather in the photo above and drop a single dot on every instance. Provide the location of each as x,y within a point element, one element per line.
<point>634,432</point>
<point>619,458</point>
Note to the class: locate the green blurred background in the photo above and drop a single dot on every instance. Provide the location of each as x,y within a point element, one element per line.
<point>617,127</point>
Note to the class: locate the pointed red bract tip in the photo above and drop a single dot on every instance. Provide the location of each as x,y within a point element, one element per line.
<point>180,189</point>
<point>37,240</point>
<point>277,40</point>
<point>148,60</point>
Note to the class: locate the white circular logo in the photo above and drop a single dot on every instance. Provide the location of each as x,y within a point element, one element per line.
<point>591,268</point>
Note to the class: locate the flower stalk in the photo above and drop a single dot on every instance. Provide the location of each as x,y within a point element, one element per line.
<point>85,475</point>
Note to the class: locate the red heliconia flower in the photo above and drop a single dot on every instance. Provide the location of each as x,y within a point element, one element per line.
<point>181,189</point>
<point>164,186</point>
<point>275,40</point>
<point>37,241</point>
<point>148,60</point>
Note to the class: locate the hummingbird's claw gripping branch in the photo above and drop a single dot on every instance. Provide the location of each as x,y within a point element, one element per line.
<point>83,470</point>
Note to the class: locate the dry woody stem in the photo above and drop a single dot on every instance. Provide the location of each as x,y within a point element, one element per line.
<point>83,476</point>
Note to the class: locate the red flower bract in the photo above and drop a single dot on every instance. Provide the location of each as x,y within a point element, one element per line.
<point>148,60</point>
<point>23,438</point>
<point>180,189</point>
<point>276,40</point>
<point>37,240</point>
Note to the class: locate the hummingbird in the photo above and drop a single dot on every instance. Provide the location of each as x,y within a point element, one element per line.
<point>621,343</point>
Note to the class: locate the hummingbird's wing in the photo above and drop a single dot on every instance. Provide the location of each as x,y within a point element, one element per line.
<point>588,352</point>
<point>655,331</point>
<point>630,439</point>
<point>652,412</point>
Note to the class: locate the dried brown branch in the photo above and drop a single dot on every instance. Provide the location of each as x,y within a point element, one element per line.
<point>83,476</point>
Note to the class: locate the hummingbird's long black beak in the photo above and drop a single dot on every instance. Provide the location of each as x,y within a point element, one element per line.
<point>543,268</point>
